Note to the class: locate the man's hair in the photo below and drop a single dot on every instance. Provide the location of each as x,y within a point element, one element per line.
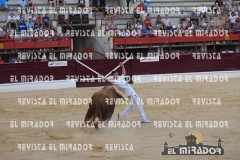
<point>113,72</point>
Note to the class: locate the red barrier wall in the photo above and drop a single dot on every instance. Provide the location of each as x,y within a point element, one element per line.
<point>186,63</point>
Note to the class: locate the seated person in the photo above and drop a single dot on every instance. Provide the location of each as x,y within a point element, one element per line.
<point>46,20</point>
<point>193,16</point>
<point>61,1</point>
<point>20,20</point>
<point>30,24</point>
<point>140,8</point>
<point>12,20</point>
<point>22,3</point>
<point>144,32</point>
<point>138,26</point>
<point>158,20</point>
<point>51,2</point>
<point>203,12</point>
<point>6,7</point>
<point>81,3</point>
<point>148,23</point>
<point>39,20</point>
<point>33,18</point>
<point>147,5</point>
<point>182,16</point>
<point>166,23</point>
<point>136,17</point>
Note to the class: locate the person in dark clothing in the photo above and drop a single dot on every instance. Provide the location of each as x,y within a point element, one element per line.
<point>102,5</point>
<point>128,5</point>
<point>95,3</point>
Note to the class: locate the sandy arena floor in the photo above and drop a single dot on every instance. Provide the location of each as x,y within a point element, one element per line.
<point>147,141</point>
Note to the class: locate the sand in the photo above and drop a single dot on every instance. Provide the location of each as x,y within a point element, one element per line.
<point>147,141</point>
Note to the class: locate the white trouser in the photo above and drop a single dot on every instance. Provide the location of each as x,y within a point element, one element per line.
<point>134,101</point>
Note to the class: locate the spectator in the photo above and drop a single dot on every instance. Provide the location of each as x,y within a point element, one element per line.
<point>159,30</point>
<point>238,9</point>
<point>200,28</point>
<point>33,18</point>
<point>2,4</point>
<point>102,5</point>
<point>30,6</point>
<point>36,28</point>
<point>111,8</point>
<point>20,20</point>
<point>134,32</point>
<point>182,16</point>
<point>158,20</point>
<point>126,32</point>
<point>189,25</point>
<point>12,20</point>
<point>228,4</point>
<point>81,3</point>
<point>95,4</point>
<point>220,4</point>
<point>147,5</point>
<point>30,24</point>
<point>6,7</point>
<point>22,3</point>
<point>138,26</point>
<point>39,20</point>
<point>235,28</point>
<point>226,19</point>
<point>127,1</point>
<point>118,10</point>
<point>61,1</point>
<point>238,19</point>
<point>181,31</point>
<point>148,23</point>
<point>206,25</point>
<point>136,17</point>
<point>166,23</point>
<point>193,16</point>
<point>217,11</point>
<point>233,8</point>
<point>232,19</point>
<point>4,30</point>
<point>1,31</point>
<point>18,60</point>
<point>227,27</point>
<point>144,32</point>
<point>112,25</point>
<point>51,2</point>
<point>140,8</point>
<point>203,12</point>
<point>46,20</point>
<point>153,32</point>
<point>181,25</point>
<point>212,23</point>
<point>129,27</point>
<point>1,61</point>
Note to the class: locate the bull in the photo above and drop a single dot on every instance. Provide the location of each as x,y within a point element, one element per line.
<point>100,108</point>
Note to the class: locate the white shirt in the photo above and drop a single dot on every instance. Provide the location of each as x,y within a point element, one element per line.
<point>233,19</point>
<point>123,85</point>
<point>11,18</point>
<point>202,9</point>
<point>33,18</point>
<point>182,15</point>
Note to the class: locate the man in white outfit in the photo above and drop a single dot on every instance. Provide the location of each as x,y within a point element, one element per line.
<point>127,89</point>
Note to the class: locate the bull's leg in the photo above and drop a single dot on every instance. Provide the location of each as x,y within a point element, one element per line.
<point>99,115</point>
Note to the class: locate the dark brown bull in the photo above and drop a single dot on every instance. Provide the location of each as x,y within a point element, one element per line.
<point>99,107</point>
